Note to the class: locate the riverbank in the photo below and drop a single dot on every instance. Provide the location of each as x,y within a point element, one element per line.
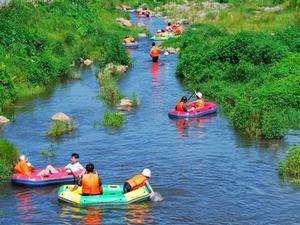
<point>253,75</point>
<point>8,155</point>
<point>42,42</point>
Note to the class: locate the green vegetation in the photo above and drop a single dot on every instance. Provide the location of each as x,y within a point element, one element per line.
<point>8,156</point>
<point>135,100</point>
<point>113,119</point>
<point>110,92</point>
<point>40,42</point>
<point>255,76</point>
<point>289,168</point>
<point>48,153</point>
<point>59,128</point>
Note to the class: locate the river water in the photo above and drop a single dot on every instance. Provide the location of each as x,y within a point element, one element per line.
<point>206,171</point>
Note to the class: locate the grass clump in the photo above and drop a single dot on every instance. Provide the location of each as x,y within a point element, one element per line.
<point>59,128</point>
<point>135,101</point>
<point>289,168</point>
<point>8,155</point>
<point>113,119</point>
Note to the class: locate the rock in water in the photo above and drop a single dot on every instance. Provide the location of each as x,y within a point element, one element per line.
<point>142,35</point>
<point>125,102</point>
<point>60,116</point>
<point>124,22</point>
<point>4,120</point>
<point>87,62</point>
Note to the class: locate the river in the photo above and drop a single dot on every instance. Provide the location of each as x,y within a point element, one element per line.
<point>207,172</point>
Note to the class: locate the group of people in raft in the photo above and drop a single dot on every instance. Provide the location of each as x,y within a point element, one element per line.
<point>88,178</point>
<point>182,105</point>
<point>174,28</point>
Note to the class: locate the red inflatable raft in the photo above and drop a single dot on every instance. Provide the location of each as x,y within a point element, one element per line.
<point>209,108</point>
<point>34,180</point>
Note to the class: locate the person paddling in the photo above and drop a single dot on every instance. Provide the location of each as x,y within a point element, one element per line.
<point>90,181</point>
<point>138,181</point>
<point>154,52</point>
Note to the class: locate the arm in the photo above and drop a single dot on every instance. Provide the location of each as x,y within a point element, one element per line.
<point>149,186</point>
<point>185,108</point>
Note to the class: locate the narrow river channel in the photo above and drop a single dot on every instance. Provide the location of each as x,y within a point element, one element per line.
<point>206,171</point>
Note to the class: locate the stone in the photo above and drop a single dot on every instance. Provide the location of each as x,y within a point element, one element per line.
<point>120,69</point>
<point>4,120</point>
<point>125,102</point>
<point>87,62</point>
<point>60,116</point>
<point>124,22</point>
<point>272,9</point>
<point>142,35</point>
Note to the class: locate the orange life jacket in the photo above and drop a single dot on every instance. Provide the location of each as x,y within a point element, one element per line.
<point>174,26</point>
<point>179,106</point>
<point>199,103</point>
<point>154,52</point>
<point>179,30</point>
<point>140,13</point>
<point>91,184</point>
<point>158,35</point>
<point>137,181</point>
<point>23,168</point>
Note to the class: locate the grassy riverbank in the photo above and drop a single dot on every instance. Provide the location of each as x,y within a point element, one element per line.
<point>41,42</point>
<point>8,156</point>
<point>254,76</point>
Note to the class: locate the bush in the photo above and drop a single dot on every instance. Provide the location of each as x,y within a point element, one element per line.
<point>255,76</point>
<point>8,156</point>
<point>113,119</point>
<point>59,128</point>
<point>289,168</point>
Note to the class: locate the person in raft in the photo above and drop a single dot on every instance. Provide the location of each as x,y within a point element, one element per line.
<point>23,166</point>
<point>181,105</point>
<point>154,52</point>
<point>90,181</point>
<point>128,40</point>
<point>199,102</point>
<point>138,181</point>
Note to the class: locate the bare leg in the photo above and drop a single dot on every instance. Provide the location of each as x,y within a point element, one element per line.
<point>51,169</point>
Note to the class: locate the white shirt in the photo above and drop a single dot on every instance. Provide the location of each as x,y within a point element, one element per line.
<point>74,167</point>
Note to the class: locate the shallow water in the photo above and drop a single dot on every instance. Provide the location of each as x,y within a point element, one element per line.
<point>207,172</point>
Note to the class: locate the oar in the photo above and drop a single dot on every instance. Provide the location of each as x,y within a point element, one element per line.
<point>191,96</point>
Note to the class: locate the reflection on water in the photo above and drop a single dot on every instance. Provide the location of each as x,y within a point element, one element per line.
<point>24,205</point>
<point>184,125</point>
<point>138,214</point>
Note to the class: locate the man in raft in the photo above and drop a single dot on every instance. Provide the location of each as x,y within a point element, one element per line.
<point>181,105</point>
<point>154,52</point>
<point>138,181</point>
<point>23,166</point>
<point>90,181</point>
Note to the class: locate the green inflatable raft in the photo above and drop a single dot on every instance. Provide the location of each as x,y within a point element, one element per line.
<point>112,194</point>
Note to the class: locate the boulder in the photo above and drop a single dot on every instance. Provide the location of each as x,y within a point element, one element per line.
<point>125,102</point>
<point>120,69</point>
<point>124,22</point>
<point>4,120</point>
<point>171,50</point>
<point>87,62</point>
<point>142,35</point>
<point>60,116</point>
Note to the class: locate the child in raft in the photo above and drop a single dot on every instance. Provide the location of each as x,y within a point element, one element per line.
<point>129,40</point>
<point>24,167</point>
<point>138,181</point>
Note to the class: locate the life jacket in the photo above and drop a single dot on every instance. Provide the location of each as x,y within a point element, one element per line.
<point>154,52</point>
<point>137,181</point>
<point>174,26</point>
<point>140,13</point>
<point>179,30</point>
<point>91,184</point>
<point>179,106</point>
<point>199,103</point>
<point>158,34</point>
<point>23,168</point>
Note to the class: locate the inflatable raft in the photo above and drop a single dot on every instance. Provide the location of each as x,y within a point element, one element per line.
<point>34,180</point>
<point>131,45</point>
<point>209,108</point>
<point>168,36</point>
<point>112,194</point>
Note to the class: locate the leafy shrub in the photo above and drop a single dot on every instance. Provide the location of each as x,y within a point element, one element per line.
<point>59,128</point>
<point>289,168</point>
<point>113,119</point>
<point>8,156</point>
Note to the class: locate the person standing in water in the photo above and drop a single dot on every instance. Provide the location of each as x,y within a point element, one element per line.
<point>154,53</point>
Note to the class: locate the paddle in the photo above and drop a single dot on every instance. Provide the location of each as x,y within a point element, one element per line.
<point>156,197</point>
<point>191,96</point>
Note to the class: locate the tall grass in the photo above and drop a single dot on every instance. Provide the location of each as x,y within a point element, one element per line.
<point>59,128</point>
<point>8,156</point>
<point>113,119</point>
